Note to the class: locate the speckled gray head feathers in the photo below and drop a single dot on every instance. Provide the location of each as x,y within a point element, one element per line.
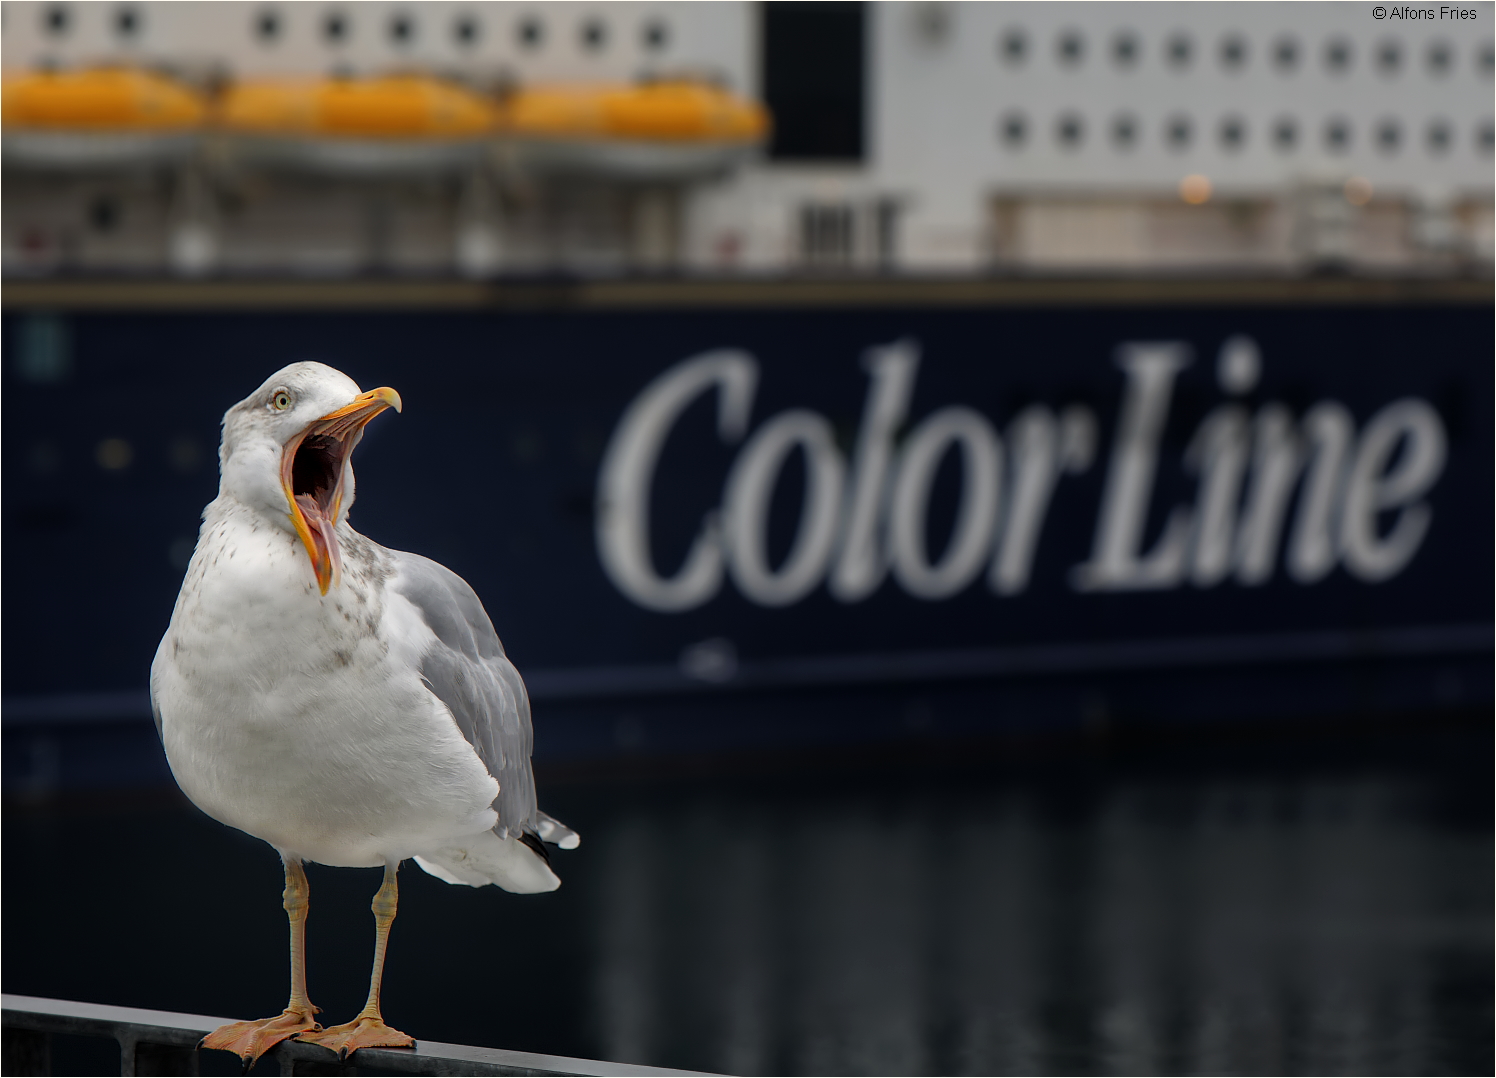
<point>256,430</point>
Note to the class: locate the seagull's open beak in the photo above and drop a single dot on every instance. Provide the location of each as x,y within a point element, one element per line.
<point>312,468</point>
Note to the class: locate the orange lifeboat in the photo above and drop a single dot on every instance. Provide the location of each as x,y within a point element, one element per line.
<point>392,123</point>
<point>98,118</point>
<point>674,129</point>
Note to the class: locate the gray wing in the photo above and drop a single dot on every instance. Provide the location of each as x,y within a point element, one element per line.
<point>468,671</point>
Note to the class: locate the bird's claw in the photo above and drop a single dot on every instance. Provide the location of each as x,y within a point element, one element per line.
<point>359,1033</point>
<point>251,1040</point>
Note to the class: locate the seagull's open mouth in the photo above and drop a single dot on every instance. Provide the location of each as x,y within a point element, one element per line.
<point>313,465</point>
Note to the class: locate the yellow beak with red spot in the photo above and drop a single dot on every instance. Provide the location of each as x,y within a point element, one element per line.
<point>313,465</point>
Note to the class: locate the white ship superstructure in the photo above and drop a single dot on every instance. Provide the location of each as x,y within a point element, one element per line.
<point>973,138</point>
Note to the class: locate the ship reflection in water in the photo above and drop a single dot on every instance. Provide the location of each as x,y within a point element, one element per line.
<point>1212,912</point>
<point>1153,925</point>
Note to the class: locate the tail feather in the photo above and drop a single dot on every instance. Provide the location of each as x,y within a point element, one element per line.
<point>486,858</point>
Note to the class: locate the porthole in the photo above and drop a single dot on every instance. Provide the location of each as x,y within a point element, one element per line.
<point>1070,131</point>
<point>1285,134</point>
<point>1125,132</point>
<point>656,36</point>
<point>1286,55</point>
<point>1337,135</point>
<point>1125,49</point>
<point>1389,58</point>
<point>1179,51</point>
<point>465,31</point>
<point>531,33</point>
<point>1178,132</point>
<point>1338,56</point>
<point>1234,52</point>
<point>335,28</point>
<point>56,20</point>
<point>126,22</point>
<point>1389,136</point>
<point>594,35</point>
<point>1013,46</point>
<point>402,30</point>
<point>1439,137</point>
<point>1071,48</point>
<point>1233,133</point>
<point>267,26</point>
<point>1440,59</point>
<point>1485,137</point>
<point>1013,130</point>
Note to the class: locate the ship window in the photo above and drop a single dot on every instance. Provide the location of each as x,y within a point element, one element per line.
<point>1233,53</point>
<point>1438,137</point>
<point>1389,58</point>
<point>1440,58</point>
<point>813,80</point>
<point>1485,137</point>
<point>531,33</point>
<point>1285,134</point>
<point>126,22</point>
<point>57,20</point>
<point>1178,51</point>
<point>1389,136</point>
<point>826,233</point>
<point>1124,132</point>
<point>594,35</point>
<point>402,30</point>
<point>1125,49</point>
<point>1072,48</point>
<point>1013,46</point>
<point>1338,56</point>
<point>1233,133</point>
<point>1013,129</point>
<point>1286,54</point>
<point>335,28</point>
<point>656,35</point>
<point>1337,135</point>
<point>1070,130</point>
<point>267,26</point>
<point>104,214</point>
<point>1178,132</point>
<point>466,30</point>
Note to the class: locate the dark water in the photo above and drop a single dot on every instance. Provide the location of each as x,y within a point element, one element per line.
<point>1236,908</point>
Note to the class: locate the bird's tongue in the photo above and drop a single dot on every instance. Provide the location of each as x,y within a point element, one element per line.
<point>328,558</point>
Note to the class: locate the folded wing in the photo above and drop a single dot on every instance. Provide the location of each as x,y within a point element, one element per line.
<point>468,671</point>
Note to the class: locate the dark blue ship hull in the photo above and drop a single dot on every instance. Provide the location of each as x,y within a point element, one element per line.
<point>715,531</point>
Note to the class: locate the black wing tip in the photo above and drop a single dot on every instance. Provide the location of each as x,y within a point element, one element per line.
<point>532,840</point>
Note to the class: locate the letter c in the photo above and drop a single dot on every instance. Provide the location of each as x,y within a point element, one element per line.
<point>627,474</point>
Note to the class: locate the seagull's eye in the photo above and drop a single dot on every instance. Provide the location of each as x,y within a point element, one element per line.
<point>280,400</point>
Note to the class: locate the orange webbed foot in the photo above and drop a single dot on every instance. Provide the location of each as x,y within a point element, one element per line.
<point>362,1032</point>
<point>250,1040</point>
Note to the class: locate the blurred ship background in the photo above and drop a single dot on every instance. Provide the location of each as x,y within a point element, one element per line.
<point>991,502</point>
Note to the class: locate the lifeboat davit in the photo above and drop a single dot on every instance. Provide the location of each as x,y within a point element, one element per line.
<point>99,118</point>
<point>391,124</point>
<point>667,130</point>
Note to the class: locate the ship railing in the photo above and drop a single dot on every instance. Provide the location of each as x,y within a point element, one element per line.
<point>161,1042</point>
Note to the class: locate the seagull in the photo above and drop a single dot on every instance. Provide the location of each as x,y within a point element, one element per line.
<point>349,704</point>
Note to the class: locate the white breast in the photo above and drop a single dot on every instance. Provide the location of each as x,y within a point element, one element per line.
<point>301,718</point>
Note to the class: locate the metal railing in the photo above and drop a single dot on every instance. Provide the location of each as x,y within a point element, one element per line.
<point>160,1042</point>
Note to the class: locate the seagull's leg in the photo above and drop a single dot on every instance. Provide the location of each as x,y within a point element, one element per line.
<point>368,1030</point>
<point>250,1040</point>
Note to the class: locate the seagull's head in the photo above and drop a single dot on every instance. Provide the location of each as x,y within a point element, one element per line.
<point>287,449</point>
